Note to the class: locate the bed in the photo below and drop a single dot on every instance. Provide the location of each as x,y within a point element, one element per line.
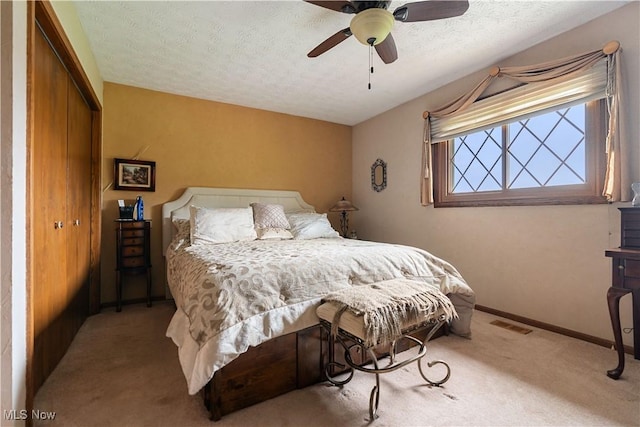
<point>245,324</point>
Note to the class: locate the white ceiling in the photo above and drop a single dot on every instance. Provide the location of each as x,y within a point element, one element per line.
<point>254,53</point>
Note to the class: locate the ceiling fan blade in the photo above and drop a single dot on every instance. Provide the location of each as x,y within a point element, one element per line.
<point>332,41</point>
<point>387,50</point>
<point>430,10</point>
<point>339,6</point>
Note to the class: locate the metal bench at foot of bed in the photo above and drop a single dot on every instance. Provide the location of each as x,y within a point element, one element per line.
<point>349,341</point>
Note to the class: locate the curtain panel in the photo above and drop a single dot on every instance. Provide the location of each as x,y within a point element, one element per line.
<point>545,87</point>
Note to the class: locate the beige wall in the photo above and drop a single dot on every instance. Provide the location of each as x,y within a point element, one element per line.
<point>547,262</point>
<point>202,143</point>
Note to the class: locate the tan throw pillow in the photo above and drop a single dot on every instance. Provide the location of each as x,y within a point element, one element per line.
<point>269,216</point>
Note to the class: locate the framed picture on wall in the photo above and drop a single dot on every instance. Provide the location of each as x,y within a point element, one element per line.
<point>134,175</point>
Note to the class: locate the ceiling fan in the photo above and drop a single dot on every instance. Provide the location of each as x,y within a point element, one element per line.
<point>373,22</point>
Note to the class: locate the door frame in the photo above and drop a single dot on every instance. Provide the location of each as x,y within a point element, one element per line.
<point>41,14</point>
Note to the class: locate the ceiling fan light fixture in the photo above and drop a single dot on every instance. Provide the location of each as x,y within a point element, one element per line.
<point>372,26</point>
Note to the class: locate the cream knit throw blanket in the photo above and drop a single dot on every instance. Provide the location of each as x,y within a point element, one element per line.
<point>390,306</point>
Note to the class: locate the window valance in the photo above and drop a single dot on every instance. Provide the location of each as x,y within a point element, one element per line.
<point>545,87</point>
<point>522,102</point>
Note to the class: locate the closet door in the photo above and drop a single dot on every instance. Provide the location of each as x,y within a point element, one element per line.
<point>78,206</point>
<point>63,166</point>
<point>48,221</point>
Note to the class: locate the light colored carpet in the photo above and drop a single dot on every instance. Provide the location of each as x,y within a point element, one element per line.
<point>122,371</point>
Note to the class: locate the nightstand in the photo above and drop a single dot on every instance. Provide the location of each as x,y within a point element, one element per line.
<point>133,254</point>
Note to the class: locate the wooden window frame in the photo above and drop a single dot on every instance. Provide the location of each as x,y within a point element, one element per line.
<point>588,193</point>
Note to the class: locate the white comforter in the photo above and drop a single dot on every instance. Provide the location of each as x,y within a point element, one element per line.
<point>235,295</point>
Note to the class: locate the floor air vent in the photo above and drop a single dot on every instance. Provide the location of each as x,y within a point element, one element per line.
<point>511,327</point>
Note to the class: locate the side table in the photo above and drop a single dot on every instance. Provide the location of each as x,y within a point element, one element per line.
<point>625,279</point>
<point>133,253</point>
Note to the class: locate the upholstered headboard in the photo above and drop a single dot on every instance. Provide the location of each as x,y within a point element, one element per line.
<point>225,198</point>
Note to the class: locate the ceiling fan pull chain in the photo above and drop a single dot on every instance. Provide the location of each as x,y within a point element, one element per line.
<point>370,63</point>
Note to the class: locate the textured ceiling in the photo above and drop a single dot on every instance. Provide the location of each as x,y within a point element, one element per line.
<point>254,53</point>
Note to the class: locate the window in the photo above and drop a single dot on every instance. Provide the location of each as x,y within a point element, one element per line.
<point>555,157</point>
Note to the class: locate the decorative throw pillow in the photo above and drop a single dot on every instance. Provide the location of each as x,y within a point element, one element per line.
<point>183,228</point>
<point>305,226</point>
<point>221,225</point>
<point>269,216</point>
<point>181,235</point>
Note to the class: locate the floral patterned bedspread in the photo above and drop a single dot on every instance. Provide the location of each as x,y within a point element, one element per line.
<point>236,290</point>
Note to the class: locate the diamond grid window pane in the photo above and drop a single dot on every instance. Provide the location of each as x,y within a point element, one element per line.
<point>543,151</point>
<point>550,148</point>
<point>477,162</point>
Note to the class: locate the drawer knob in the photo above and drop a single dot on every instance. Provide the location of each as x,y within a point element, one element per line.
<point>76,222</point>
<point>58,224</point>
<point>621,267</point>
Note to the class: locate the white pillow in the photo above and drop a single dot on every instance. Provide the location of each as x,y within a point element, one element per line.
<point>274,234</point>
<point>221,225</point>
<point>305,226</point>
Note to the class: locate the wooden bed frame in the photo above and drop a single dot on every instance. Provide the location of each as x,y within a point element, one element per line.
<point>278,366</point>
<point>283,364</point>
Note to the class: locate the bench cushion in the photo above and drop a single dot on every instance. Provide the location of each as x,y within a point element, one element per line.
<point>379,312</point>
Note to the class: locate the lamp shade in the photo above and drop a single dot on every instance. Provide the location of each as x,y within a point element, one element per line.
<point>372,26</point>
<point>343,205</point>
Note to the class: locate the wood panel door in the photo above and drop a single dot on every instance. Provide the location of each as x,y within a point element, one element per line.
<point>78,206</point>
<point>61,188</point>
<point>49,185</point>
<point>64,207</point>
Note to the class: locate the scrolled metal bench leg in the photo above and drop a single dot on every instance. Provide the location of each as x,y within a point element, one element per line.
<point>430,364</point>
<point>334,381</point>
<point>374,399</point>
<point>435,362</point>
<point>331,363</point>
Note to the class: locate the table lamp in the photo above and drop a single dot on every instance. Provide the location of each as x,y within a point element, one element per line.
<point>343,206</point>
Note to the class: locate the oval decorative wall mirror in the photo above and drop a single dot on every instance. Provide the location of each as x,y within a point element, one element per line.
<point>379,175</point>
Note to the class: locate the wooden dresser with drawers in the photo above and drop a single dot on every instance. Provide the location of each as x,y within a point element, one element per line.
<point>133,254</point>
